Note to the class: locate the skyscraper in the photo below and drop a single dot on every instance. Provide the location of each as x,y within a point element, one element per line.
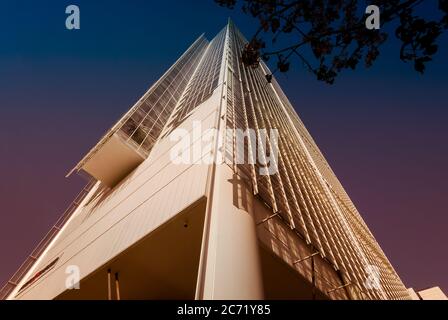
<point>209,187</point>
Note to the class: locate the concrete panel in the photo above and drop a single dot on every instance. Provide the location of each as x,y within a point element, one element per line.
<point>148,197</point>
<point>232,262</point>
<point>113,161</point>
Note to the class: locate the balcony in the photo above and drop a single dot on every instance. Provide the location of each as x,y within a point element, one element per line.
<point>112,161</point>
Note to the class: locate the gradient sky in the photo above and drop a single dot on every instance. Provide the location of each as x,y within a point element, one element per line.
<point>383,130</point>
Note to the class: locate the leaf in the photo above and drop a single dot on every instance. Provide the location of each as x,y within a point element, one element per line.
<point>283,66</point>
<point>419,66</point>
<point>275,24</point>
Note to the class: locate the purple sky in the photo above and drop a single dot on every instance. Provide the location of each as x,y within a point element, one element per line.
<point>384,130</point>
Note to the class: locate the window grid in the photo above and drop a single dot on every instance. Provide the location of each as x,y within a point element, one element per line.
<point>309,199</point>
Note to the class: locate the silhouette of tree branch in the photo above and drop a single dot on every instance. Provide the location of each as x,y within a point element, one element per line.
<point>329,36</point>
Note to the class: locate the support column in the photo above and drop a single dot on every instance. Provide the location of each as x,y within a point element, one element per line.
<point>230,265</point>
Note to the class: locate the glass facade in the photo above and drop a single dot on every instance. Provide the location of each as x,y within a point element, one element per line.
<point>304,193</point>
<point>142,125</point>
<point>203,83</point>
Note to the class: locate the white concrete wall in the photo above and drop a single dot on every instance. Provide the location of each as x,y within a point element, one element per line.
<point>232,261</point>
<point>434,293</point>
<point>151,195</point>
